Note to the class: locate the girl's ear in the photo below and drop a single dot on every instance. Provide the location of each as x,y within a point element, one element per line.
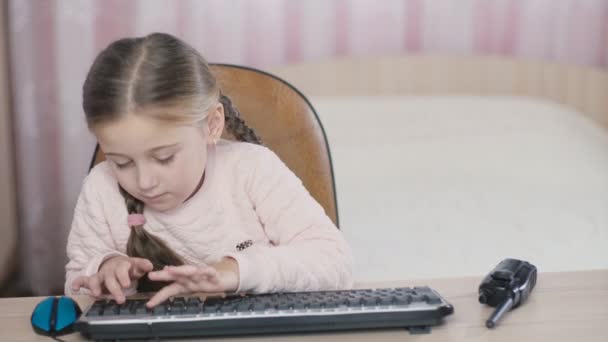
<point>215,123</point>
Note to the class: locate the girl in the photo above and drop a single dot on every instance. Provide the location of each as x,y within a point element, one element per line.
<point>176,209</point>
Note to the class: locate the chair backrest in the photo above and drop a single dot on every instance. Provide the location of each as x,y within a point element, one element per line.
<point>287,123</point>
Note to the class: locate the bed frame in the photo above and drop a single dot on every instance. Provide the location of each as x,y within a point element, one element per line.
<point>579,87</point>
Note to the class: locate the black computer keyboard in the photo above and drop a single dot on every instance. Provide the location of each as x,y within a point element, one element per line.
<point>415,308</point>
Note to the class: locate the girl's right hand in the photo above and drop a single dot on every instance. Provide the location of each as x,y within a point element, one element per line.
<point>115,274</point>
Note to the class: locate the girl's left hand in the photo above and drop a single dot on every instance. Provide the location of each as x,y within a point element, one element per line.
<point>220,277</point>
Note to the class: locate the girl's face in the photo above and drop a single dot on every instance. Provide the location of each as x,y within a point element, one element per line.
<point>157,162</point>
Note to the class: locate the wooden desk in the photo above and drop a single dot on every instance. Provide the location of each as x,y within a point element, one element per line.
<point>569,306</point>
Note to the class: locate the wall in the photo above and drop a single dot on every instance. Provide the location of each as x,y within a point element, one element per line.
<point>8,223</point>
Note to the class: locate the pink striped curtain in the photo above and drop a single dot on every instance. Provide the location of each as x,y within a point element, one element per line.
<point>53,42</point>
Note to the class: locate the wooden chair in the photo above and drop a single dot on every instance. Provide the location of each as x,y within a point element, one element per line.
<point>287,123</point>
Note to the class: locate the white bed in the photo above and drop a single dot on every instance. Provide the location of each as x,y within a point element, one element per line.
<point>447,183</point>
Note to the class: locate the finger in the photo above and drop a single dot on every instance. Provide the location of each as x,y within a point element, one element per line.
<point>114,288</point>
<point>183,273</point>
<point>136,273</point>
<point>162,275</point>
<point>141,266</point>
<point>79,282</point>
<point>190,270</point>
<point>164,294</point>
<point>122,274</point>
<point>95,285</point>
<point>183,270</point>
<point>197,279</point>
<point>199,285</point>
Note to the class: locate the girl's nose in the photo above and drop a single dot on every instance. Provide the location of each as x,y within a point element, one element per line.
<point>146,180</point>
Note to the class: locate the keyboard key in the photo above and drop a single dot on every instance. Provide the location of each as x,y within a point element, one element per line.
<point>363,302</point>
<point>314,305</point>
<point>403,300</point>
<point>433,299</point>
<point>193,306</point>
<point>97,309</point>
<point>111,308</point>
<point>213,304</point>
<point>417,298</point>
<point>139,308</point>
<point>125,308</point>
<point>244,307</point>
<point>423,289</point>
<point>260,306</point>
<point>194,301</point>
<point>210,308</point>
<point>383,301</point>
<point>228,308</point>
<point>160,309</point>
<point>284,306</point>
<point>331,305</point>
<point>177,306</point>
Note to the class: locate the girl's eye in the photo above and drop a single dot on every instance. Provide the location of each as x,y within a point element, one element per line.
<point>123,165</point>
<point>167,160</point>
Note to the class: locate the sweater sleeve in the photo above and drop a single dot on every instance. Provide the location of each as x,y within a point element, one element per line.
<point>89,241</point>
<point>307,251</point>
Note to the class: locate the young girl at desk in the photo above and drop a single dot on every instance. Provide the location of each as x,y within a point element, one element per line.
<point>176,209</point>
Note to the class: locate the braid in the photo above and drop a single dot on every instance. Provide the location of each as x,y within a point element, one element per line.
<point>142,244</point>
<point>235,124</point>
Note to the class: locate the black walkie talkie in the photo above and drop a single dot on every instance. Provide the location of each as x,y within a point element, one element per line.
<point>506,287</point>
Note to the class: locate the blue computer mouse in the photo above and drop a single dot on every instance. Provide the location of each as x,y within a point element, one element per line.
<point>55,316</point>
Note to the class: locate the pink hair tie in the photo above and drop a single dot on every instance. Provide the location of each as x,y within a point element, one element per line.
<point>136,220</point>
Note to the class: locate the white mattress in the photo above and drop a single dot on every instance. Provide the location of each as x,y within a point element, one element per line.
<point>448,186</point>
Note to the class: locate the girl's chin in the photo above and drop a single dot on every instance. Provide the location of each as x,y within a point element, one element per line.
<point>164,205</point>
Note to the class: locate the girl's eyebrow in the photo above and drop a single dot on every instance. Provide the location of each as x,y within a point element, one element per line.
<point>163,147</point>
<point>154,149</point>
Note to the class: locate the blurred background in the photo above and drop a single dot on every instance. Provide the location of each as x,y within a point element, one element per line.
<point>47,47</point>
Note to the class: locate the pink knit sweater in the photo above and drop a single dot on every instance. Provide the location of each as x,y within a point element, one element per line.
<point>248,194</point>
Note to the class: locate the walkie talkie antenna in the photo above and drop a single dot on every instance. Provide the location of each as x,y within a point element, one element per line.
<point>500,310</point>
